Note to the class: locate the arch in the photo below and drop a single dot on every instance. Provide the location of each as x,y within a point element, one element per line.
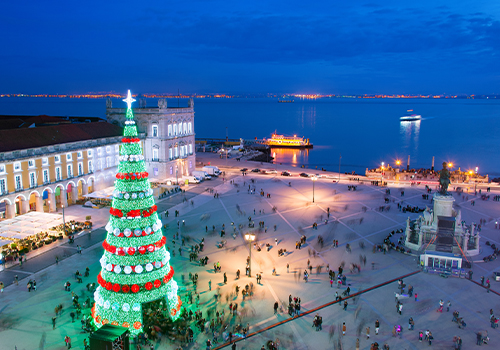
<point>6,200</point>
<point>20,195</point>
<point>59,185</point>
<point>70,182</point>
<point>48,189</point>
<point>82,180</point>
<point>37,194</point>
<point>110,173</point>
<point>91,178</point>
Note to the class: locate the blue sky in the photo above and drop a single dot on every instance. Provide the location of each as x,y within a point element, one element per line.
<point>373,47</point>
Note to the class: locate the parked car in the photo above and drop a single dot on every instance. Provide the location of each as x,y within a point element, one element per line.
<point>286,173</point>
<point>244,169</point>
<point>270,171</point>
<point>304,175</point>
<point>256,170</point>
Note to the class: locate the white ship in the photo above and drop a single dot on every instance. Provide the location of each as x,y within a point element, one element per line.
<point>410,117</point>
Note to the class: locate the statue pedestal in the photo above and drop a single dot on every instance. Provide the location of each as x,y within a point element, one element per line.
<point>443,205</point>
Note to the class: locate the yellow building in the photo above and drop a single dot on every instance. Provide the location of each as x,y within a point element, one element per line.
<point>49,162</point>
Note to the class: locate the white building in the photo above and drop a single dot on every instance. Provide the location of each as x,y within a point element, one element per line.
<point>169,149</point>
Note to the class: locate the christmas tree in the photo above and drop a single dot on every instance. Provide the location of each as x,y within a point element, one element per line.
<point>135,264</point>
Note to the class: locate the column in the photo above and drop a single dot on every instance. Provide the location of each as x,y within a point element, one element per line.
<point>10,210</point>
<point>74,194</point>
<point>39,203</point>
<point>52,202</point>
<point>24,206</point>
<point>64,198</point>
<point>85,189</point>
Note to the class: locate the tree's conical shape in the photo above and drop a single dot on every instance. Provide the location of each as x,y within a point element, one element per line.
<point>135,264</point>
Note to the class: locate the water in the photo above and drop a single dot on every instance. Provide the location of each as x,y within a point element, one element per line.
<point>366,132</point>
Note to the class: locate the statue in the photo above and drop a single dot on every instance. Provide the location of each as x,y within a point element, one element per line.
<point>109,103</point>
<point>444,180</point>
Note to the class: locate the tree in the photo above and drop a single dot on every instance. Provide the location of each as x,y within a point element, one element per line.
<point>135,264</point>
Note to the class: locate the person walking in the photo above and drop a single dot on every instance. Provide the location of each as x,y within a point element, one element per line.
<point>16,280</point>
<point>367,332</point>
<point>276,307</point>
<point>67,339</point>
<point>54,322</point>
<point>357,344</point>
<point>344,328</point>
<point>377,326</point>
<point>210,285</point>
<point>1,287</point>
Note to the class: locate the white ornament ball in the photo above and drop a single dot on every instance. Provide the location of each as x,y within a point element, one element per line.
<point>157,264</point>
<point>116,231</point>
<point>126,307</point>
<point>138,269</point>
<point>127,270</point>
<point>126,196</point>
<point>136,307</point>
<point>127,232</point>
<point>137,232</point>
<point>141,195</point>
<point>116,307</point>
<point>117,269</point>
<point>134,195</point>
<point>107,304</point>
<point>109,267</point>
<point>149,267</point>
<point>148,230</point>
<point>108,227</point>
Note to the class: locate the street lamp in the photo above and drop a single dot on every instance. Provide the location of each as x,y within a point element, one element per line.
<point>314,178</point>
<point>64,219</point>
<point>382,174</point>
<point>398,162</point>
<point>250,237</point>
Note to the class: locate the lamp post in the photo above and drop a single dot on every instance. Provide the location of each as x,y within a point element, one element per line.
<point>64,219</point>
<point>250,237</point>
<point>314,178</point>
<point>382,174</point>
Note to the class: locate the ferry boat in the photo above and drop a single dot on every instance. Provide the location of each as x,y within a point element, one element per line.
<point>286,101</point>
<point>410,117</point>
<point>281,141</point>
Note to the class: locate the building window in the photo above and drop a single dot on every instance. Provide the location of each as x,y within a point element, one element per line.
<point>57,159</point>
<point>155,155</point>
<point>79,154</point>
<point>89,153</point>
<point>190,149</point>
<point>2,168</point>
<point>17,166</point>
<point>171,170</point>
<point>31,163</point>
<point>108,149</point>
<point>45,161</point>
<point>189,128</point>
<point>80,169</point>
<point>70,171</point>
<point>155,130</point>
<point>3,186</point>
<point>176,152</point>
<point>184,127</point>
<point>169,129</point>
<point>190,164</point>
<point>91,167</point>
<point>175,129</point>
<point>69,156</point>
<point>117,148</point>
<point>58,173</point>
<point>180,128</point>
<point>108,162</point>
<point>32,180</point>
<point>19,183</point>
<point>182,151</point>
<point>99,151</point>
<point>170,153</point>
<point>46,179</point>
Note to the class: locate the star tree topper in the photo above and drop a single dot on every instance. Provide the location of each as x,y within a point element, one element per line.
<point>129,100</point>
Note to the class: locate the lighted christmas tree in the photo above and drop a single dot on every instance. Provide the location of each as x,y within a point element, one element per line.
<point>135,264</point>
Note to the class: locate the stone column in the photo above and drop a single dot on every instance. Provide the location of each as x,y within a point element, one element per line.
<point>39,203</point>
<point>24,206</point>
<point>10,210</point>
<point>52,202</point>
<point>74,194</point>
<point>85,189</point>
<point>465,237</point>
<point>443,205</point>
<point>64,198</point>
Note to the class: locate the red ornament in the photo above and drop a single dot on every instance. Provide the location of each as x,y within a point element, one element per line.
<point>142,249</point>
<point>120,251</point>
<point>158,243</point>
<point>146,174</point>
<point>137,325</point>
<point>117,175</point>
<point>135,288</point>
<point>165,279</point>
<point>98,319</point>
<point>148,286</point>
<point>127,177</point>
<point>105,321</point>
<point>126,324</point>
<point>125,288</point>
<point>157,283</point>
<point>114,323</point>
<point>131,251</point>
<point>109,285</point>
<point>133,177</point>
<point>151,248</point>
<point>116,288</point>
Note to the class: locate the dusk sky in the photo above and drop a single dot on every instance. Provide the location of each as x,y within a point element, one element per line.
<point>351,47</point>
